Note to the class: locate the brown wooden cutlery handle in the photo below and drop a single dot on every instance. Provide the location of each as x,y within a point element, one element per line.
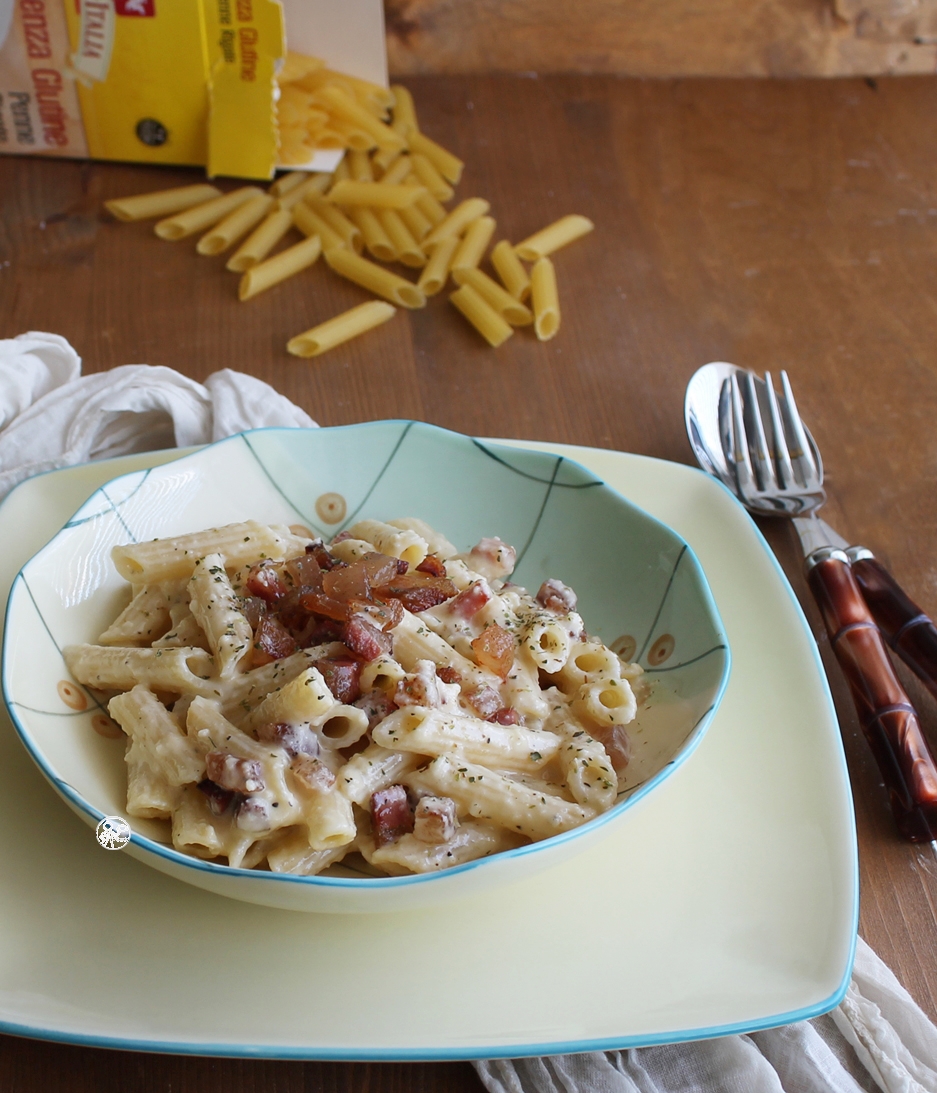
<point>888,719</point>
<point>904,625</point>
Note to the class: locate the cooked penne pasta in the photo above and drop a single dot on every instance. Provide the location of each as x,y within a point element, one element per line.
<point>509,308</point>
<point>174,671</point>
<point>235,225</point>
<point>272,271</point>
<point>380,281</point>
<point>395,542</point>
<point>509,268</point>
<point>552,237</point>
<point>342,328</point>
<point>161,202</point>
<point>473,245</point>
<point>459,219</point>
<point>545,299</point>
<point>215,608</point>
<point>261,241</point>
<point>199,217</point>
<point>492,327</point>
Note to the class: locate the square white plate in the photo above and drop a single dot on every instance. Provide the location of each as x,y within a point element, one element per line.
<point>727,903</point>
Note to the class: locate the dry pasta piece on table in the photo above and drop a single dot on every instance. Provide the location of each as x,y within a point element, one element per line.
<point>235,225</point>
<point>273,270</point>
<point>459,219</point>
<point>203,216</point>
<point>473,245</point>
<point>343,327</point>
<point>379,280</point>
<point>261,241</point>
<point>492,327</point>
<point>436,271</point>
<point>161,202</point>
<point>511,271</point>
<point>500,299</point>
<point>553,236</point>
<point>545,299</point>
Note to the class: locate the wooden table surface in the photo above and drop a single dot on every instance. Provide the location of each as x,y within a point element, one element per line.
<point>772,224</point>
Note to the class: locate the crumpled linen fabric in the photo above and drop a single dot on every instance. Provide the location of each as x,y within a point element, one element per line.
<point>878,1038</point>
<point>51,416</point>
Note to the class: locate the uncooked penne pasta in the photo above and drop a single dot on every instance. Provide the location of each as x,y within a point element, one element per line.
<point>314,184</point>
<point>379,280</point>
<point>360,167</point>
<point>286,182</point>
<point>545,299</point>
<point>426,172</point>
<point>552,237</point>
<point>473,245</point>
<point>376,195</point>
<point>492,327</point>
<point>375,238</point>
<point>509,268</point>
<point>199,217</point>
<point>448,165</point>
<point>398,171</point>
<point>344,106</point>
<point>225,233</point>
<point>436,271</point>
<point>161,202</point>
<point>342,328</point>
<point>406,249</point>
<point>355,137</point>
<point>499,298</point>
<point>417,224</point>
<point>261,241</point>
<point>311,224</point>
<point>349,232</point>
<point>459,219</point>
<point>431,208</point>
<point>273,270</point>
<point>298,65</point>
<point>404,110</point>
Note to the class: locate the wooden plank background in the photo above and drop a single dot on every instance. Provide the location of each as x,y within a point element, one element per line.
<point>664,37</point>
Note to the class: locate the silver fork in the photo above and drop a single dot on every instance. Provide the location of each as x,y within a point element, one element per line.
<point>771,462</point>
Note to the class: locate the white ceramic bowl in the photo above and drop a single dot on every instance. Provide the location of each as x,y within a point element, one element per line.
<point>640,588</point>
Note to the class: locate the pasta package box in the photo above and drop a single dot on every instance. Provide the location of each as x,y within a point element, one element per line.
<point>184,82</point>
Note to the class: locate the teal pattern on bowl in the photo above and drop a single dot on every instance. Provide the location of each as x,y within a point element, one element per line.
<point>640,588</point>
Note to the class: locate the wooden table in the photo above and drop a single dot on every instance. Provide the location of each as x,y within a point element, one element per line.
<point>772,224</point>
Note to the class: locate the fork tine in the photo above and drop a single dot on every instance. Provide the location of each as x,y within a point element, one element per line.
<point>740,457</point>
<point>781,454</point>
<point>801,452</point>
<point>766,476</point>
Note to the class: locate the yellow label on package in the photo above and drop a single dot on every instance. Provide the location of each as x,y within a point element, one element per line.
<point>190,82</point>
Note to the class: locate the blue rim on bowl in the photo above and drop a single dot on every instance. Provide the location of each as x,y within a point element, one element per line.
<point>640,588</point>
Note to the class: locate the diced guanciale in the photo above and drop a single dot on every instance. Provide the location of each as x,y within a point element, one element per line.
<point>484,700</point>
<point>471,600</point>
<point>417,591</point>
<point>342,676</point>
<point>448,674</point>
<point>313,773</point>
<point>294,739</point>
<point>264,581</point>
<point>231,772</point>
<point>617,744</point>
<point>365,640</point>
<point>556,596</point>
<point>271,641</point>
<point>494,650</point>
<point>391,814</point>
<point>505,716</point>
<point>219,799</point>
<point>435,820</point>
<point>376,704</point>
<point>432,565</point>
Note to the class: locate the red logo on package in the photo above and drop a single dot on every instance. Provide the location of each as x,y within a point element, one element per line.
<point>135,7</point>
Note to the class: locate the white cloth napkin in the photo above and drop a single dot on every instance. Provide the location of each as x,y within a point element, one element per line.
<point>51,416</point>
